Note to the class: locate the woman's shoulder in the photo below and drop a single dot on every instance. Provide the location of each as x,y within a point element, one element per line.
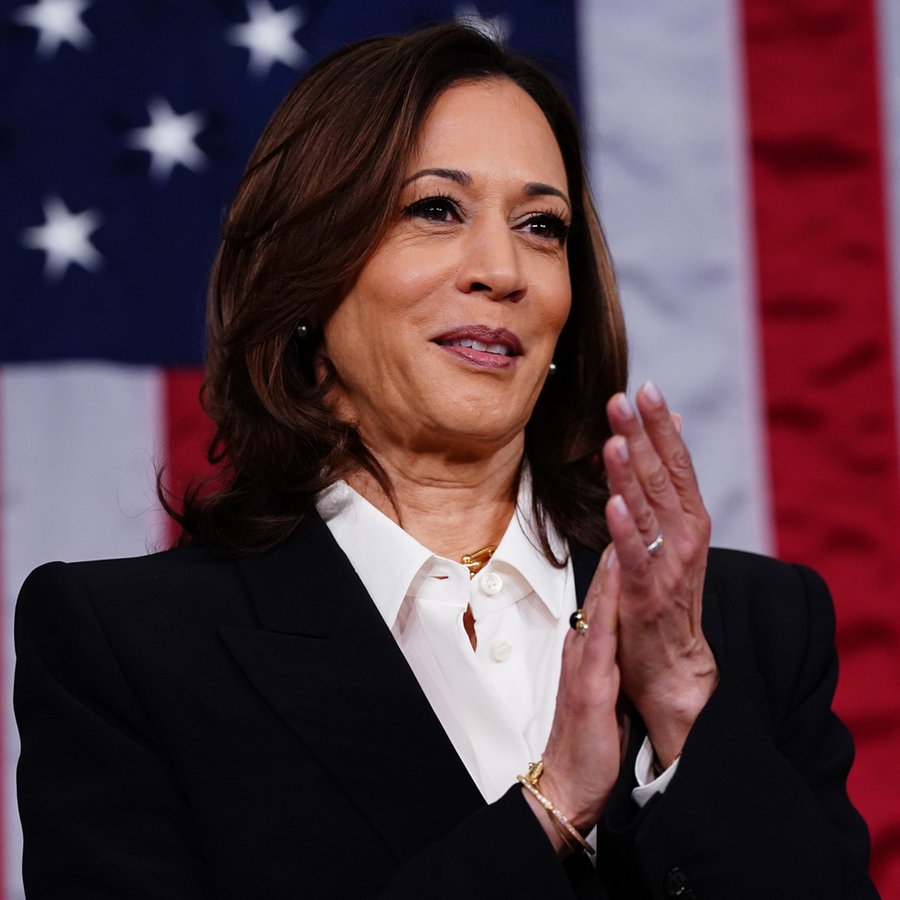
<point>770,617</point>
<point>175,564</point>
<point>763,582</point>
<point>160,583</point>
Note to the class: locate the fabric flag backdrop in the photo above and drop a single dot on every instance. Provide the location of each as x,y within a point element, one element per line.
<point>746,160</point>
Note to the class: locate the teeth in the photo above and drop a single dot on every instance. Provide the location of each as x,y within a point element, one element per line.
<point>500,349</point>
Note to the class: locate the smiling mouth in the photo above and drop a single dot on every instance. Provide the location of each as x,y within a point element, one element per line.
<point>482,339</point>
<point>499,349</point>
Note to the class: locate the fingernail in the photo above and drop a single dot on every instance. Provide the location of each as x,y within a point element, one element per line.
<point>621,448</point>
<point>611,558</point>
<point>624,406</point>
<point>618,503</point>
<point>651,392</point>
<point>677,421</point>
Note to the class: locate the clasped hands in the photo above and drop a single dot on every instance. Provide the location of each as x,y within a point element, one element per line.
<point>645,641</point>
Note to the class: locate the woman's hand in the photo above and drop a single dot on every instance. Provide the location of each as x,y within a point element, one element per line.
<point>584,750</point>
<point>667,668</point>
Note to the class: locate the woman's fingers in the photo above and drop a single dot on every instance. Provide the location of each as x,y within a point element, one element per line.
<point>601,602</point>
<point>636,470</point>
<point>582,755</point>
<point>630,541</point>
<point>648,463</point>
<point>665,436</point>
<point>624,482</point>
<point>667,669</point>
<point>594,648</point>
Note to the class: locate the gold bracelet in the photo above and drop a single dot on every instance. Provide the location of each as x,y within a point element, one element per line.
<point>565,828</point>
<point>533,777</point>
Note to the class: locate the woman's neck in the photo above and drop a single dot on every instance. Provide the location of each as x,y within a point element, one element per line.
<point>450,508</point>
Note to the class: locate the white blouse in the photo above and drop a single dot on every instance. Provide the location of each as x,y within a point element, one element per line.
<point>496,703</point>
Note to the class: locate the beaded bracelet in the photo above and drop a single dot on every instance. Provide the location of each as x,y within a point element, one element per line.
<point>563,825</point>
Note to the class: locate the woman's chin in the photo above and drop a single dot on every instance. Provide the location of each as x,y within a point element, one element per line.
<point>464,442</point>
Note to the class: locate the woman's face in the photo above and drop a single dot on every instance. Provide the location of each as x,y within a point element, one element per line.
<point>446,338</point>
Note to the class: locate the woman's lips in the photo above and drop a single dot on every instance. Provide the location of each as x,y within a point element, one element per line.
<point>489,347</point>
<point>502,349</point>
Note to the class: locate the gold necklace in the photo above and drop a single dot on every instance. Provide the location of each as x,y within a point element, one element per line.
<point>476,561</point>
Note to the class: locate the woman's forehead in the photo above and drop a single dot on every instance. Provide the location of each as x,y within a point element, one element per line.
<point>488,125</point>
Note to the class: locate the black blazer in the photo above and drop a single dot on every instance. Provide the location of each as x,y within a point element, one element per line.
<point>194,726</point>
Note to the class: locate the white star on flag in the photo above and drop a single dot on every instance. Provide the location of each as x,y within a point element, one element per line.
<point>57,21</point>
<point>169,139</point>
<point>497,28</point>
<point>269,36</point>
<point>65,238</point>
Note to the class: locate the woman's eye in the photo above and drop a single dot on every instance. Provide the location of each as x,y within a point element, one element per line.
<point>434,209</point>
<point>547,226</point>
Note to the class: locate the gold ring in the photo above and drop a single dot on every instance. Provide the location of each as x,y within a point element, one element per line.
<point>579,622</point>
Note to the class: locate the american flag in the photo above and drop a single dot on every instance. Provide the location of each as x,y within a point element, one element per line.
<point>746,159</point>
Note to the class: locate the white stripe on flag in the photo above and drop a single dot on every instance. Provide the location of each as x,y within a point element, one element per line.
<point>79,445</point>
<point>888,29</point>
<point>665,113</point>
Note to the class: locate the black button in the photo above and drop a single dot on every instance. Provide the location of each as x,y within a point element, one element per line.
<point>677,885</point>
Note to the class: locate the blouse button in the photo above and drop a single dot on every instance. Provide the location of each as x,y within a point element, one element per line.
<point>490,583</point>
<point>500,651</point>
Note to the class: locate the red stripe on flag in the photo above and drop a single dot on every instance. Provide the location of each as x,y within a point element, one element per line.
<point>188,432</point>
<point>7,796</point>
<point>825,329</point>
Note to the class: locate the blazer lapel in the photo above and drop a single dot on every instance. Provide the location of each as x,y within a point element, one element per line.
<point>326,662</point>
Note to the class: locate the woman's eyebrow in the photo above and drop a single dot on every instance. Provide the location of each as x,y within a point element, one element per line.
<point>531,189</point>
<point>456,175</point>
<point>537,189</point>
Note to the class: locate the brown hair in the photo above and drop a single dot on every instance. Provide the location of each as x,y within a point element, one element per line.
<point>319,193</point>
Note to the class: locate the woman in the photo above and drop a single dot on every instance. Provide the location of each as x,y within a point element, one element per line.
<point>336,686</point>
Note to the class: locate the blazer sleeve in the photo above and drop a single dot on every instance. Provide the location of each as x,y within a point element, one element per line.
<point>758,805</point>
<point>104,814</point>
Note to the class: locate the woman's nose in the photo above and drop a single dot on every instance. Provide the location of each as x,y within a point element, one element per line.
<point>491,263</point>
